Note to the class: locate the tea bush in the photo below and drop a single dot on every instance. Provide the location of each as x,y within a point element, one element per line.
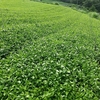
<point>48,52</point>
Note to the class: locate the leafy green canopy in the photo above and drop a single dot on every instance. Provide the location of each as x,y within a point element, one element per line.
<point>93,5</point>
<point>48,52</point>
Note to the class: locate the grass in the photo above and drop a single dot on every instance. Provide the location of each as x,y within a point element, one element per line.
<point>48,52</point>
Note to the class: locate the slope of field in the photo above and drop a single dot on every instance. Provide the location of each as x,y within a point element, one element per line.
<point>48,52</point>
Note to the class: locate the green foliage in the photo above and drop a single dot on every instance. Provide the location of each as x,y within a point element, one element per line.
<point>48,52</point>
<point>92,8</point>
<point>90,4</point>
<point>56,3</point>
<point>94,15</point>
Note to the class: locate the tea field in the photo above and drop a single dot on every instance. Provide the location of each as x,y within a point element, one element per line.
<point>48,52</point>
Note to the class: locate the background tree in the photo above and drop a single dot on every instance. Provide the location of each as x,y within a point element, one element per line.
<point>93,5</point>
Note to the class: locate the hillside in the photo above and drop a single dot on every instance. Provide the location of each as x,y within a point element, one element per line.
<point>48,52</point>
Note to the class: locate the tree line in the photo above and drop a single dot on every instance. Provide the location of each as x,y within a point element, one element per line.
<point>93,5</point>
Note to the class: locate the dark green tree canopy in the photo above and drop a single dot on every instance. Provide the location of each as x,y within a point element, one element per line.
<point>90,4</point>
